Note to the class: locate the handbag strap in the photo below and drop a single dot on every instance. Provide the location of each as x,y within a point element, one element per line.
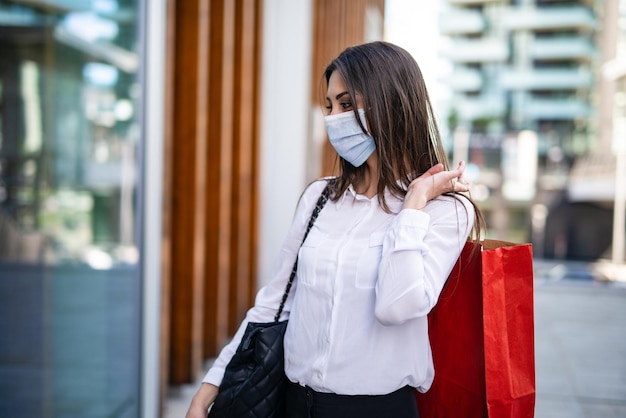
<point>316,211</point>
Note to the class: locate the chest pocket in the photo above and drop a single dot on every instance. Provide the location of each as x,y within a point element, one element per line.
<point>369,261</point>
<point>308,259</point>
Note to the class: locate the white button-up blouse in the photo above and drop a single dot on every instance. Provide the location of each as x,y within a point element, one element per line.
<point>366,281</point>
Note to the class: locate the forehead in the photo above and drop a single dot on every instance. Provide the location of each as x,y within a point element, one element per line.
<point>336,84</point>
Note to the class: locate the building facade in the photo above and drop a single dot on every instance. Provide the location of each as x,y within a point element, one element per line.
<point>529,103</point>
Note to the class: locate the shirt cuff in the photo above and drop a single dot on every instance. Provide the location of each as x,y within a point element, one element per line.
<point>215,375</point>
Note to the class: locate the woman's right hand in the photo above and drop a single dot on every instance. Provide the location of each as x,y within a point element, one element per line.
<point>434,183</point>
<point>201,401</point>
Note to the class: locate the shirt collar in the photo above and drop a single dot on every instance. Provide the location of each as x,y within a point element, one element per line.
<point>394,203</point>
<point>348,192</point>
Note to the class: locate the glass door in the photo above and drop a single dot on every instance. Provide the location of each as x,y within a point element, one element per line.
<point>70,277</point>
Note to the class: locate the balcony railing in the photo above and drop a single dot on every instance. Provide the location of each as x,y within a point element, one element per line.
<point>480,50</point>
<point>553,18</point>
<point>460,21</point>
<point>577,48</point>
<point>556,109</point>
<point>465,80</point>
<point>474,2</point>
<point>486,107</point>
<point>546,79</point>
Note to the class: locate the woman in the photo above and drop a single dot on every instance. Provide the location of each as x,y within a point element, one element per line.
<point>378,255</point>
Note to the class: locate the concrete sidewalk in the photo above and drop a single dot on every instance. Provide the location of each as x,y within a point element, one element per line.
<point>580,345</point>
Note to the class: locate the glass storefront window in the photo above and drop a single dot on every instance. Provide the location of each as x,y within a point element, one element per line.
<point>70,140</point>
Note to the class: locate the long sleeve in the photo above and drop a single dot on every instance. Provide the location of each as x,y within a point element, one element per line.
<point>419,251</point>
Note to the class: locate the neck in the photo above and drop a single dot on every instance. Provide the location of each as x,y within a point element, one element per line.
<point>368,184</point>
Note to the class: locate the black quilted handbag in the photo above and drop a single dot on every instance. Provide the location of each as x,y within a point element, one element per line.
<point>254,382</point>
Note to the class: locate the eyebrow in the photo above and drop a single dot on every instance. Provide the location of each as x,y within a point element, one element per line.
<point>339,96</point>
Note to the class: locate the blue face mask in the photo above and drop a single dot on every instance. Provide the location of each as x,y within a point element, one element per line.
<point>347,137</point>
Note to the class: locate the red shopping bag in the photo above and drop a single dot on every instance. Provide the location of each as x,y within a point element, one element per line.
<point>482,337</point>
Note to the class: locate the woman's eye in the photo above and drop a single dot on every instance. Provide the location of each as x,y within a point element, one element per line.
<point>346,105</point>
<point>329,109</point>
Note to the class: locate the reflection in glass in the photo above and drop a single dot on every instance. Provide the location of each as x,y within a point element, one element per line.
<point>69,256</point>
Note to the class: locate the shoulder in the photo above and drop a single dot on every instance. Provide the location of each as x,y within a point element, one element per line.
<point>315,188</point>
<point>458,208</point>
<point>312,192</point>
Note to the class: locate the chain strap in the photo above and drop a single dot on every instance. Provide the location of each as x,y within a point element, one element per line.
<point>316,211</point>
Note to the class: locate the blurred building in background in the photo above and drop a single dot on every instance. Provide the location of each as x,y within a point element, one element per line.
<point>151,157</point>
<point>532,111</point>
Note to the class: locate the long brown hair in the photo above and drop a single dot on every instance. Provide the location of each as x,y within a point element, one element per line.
<point>399,117</point>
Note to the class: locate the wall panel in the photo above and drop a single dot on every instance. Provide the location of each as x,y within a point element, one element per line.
<point>186,272</point>
<point>211,163</point>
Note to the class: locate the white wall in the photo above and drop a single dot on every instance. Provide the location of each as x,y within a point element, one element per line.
<point>287,49</point>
